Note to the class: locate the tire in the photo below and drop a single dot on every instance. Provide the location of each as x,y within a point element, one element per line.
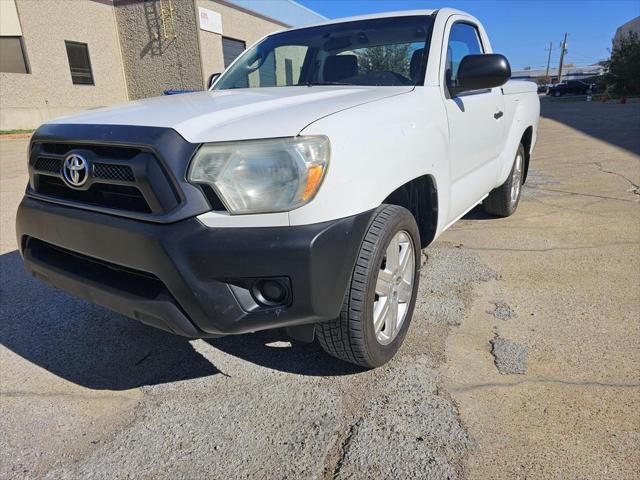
<point>503,201</point>
<point>557,93</point>
<point>352,336</point>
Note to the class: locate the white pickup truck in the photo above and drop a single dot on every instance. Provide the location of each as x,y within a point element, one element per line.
<point>297,192</point>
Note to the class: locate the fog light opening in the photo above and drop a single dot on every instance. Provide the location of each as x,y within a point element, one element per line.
<point>271,292</point>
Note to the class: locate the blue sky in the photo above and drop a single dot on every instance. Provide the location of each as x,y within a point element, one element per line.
<point>520,29</point>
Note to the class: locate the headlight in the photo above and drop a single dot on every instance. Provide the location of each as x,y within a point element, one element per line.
<point>260,176</point>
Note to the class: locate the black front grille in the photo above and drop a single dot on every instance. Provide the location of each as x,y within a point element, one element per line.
<point>119,197</point>
<point>136,172</point>
<point>51,165</point>
<point>102,171</point>
<point>107,171</point>
<point>126,179</point>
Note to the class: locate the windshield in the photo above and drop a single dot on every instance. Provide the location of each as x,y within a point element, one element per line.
<point>380,52</point>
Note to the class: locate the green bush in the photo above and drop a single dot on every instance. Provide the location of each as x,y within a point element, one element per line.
<point>624,65</point>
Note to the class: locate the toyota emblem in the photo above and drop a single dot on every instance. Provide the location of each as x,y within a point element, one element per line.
<point>75,170</point>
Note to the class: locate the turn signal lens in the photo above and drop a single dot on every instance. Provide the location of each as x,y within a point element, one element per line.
<point>314,176</point>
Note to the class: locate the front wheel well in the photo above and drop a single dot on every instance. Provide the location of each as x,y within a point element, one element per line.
<point>527,138</point>
<point>420,197</point>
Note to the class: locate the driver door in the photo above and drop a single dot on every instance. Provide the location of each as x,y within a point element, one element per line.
<point>475,125</point>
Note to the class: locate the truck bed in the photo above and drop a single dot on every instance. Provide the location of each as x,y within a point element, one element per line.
<point>514,87</point>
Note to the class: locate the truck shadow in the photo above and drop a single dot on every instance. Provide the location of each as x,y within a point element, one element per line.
<point>478,213</point>
<point>86,344</point>
<point>98,349</point>
<point>610,122</point>
<point>276,350</point>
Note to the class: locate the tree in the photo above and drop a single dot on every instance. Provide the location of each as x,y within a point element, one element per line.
<point>624,65</point>
<point>542,80</point>
<point>391,58</point>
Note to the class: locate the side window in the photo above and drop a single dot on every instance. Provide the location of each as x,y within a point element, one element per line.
<point>464,39</point>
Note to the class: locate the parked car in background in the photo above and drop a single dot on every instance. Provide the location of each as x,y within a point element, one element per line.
<point>298,192</point>
<point>573,87</point>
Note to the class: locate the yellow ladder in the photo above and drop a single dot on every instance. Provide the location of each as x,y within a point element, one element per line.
<point>166,17</point>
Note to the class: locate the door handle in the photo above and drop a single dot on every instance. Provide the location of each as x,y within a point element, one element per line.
<point>498,114</point>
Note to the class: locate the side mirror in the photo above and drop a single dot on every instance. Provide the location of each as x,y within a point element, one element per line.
<point>477,72</point>
<point>212,79</point>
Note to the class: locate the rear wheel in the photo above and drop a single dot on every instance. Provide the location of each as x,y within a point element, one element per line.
<point>381,295</point>
<point>503,201</point>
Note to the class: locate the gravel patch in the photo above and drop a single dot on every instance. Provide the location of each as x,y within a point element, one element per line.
<point>423,437</point>
<point>502,311</point>
<point>446,283</point>
<point>535,180</point>
<point>407,427</point>
<point>263,430</point>
<point>510,357</point>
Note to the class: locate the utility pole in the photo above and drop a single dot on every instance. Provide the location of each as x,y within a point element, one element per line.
<point>563,50</point>
<point>548,62</point>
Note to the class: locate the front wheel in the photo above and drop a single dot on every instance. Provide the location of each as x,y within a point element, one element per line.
<point>381,295</point>
<point>503,201</point>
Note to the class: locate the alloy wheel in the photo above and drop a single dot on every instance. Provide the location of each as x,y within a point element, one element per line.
<point>394,287</point>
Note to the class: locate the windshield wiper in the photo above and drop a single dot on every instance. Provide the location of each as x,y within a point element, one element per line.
<point>318,83</point>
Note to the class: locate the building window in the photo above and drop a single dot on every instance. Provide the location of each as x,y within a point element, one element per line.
<point>12,56</point>
<point>79,63</point>
<point>231,49</point>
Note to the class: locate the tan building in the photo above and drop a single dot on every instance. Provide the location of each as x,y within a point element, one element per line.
<point>624,30</point>
<point>56,58</point>
<point>61,56</point>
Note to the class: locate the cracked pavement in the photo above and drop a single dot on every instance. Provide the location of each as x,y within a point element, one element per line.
<point>569,262</point>
<point>86,393</point>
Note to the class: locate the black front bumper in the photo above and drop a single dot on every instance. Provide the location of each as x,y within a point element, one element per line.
<point>187,278</point>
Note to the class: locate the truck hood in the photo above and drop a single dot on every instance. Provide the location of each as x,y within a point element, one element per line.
<point>239,114</point>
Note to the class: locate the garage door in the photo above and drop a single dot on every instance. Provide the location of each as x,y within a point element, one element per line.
<point>231,49</point>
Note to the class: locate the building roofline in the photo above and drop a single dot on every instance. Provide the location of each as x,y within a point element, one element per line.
<point>299,5</point>
<point>117,3</point>
<point>251,12</point>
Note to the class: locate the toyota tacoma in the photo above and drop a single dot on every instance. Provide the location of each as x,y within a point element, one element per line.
<point>296,192</point>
